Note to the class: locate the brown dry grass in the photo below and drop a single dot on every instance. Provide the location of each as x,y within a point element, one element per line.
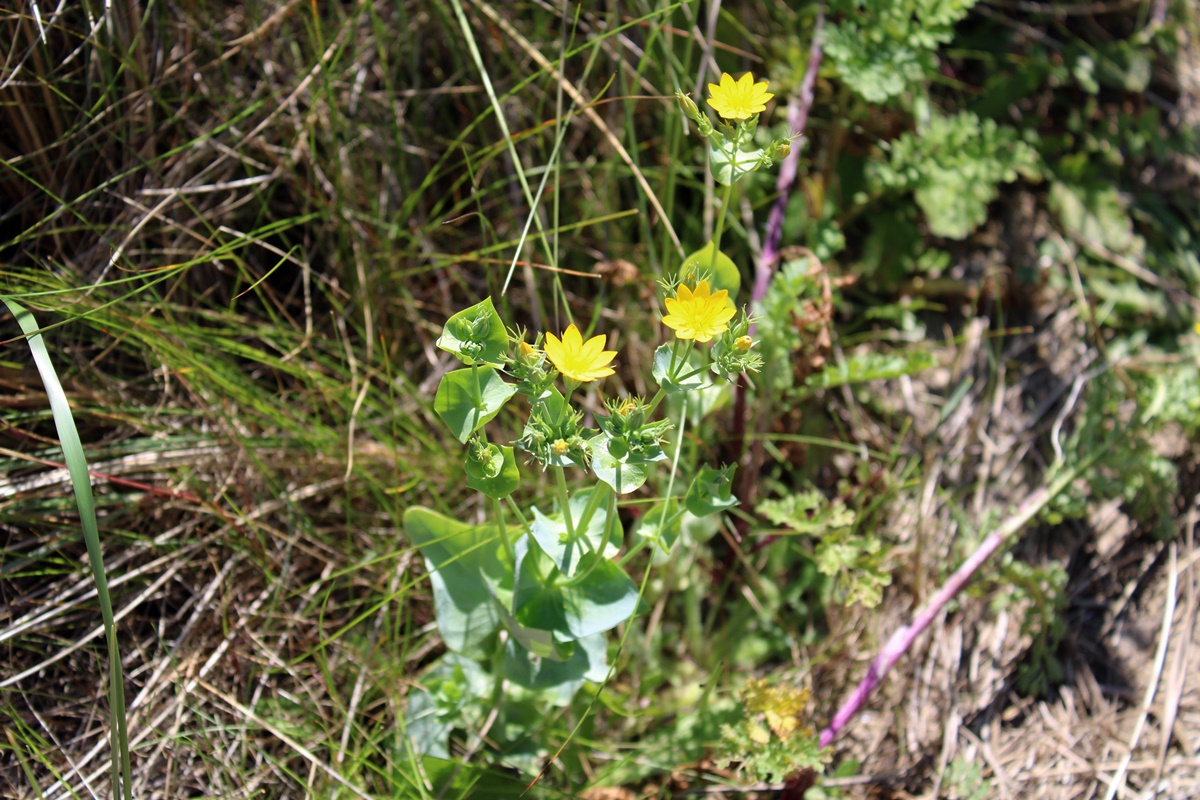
<point>273,618</point>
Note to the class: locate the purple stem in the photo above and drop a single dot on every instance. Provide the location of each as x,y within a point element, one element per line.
<point>798,108</point>
<point>903,638</point>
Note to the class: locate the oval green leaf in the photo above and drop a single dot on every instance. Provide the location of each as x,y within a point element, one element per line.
<point>468,398</point>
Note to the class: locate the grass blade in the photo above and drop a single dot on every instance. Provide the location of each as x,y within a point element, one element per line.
<point>81,481</point>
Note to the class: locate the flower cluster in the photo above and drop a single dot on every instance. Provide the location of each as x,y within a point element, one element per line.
<point>734,352</point>
<point>630,435</point>
<point>698,314</point>
<point>555,435</point>
<point>733,152</point>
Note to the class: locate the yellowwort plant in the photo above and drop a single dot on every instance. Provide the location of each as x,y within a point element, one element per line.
<point>525,598</point>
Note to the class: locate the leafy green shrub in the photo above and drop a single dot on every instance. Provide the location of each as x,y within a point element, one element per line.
<point>954,166</point>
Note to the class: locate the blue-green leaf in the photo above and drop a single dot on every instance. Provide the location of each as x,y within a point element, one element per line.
<point>475,335</point>
<point>468,398</point>
<point>676,374</point>
<point>710,491</point>
<point>468,565</point>
<point>558,680</point>
<point>565,552</point>
<point>623,475</point>
<point>599,601</point>
<point>498,476</point>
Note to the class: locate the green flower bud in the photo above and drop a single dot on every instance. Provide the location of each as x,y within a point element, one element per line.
<point>689,106</point>
<point>618,447</point>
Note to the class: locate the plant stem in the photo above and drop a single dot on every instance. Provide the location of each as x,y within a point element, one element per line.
<point>590,510</point>
<point>498,511</point>
<point>678,449</point>
<point>517,511</point>
<point>798,109</point>
<point>903,638</point>
<point>724,212</point>
<point>563,501</point>
<point>641,544</point>
<point>654,401</point>
<point>609,521</point>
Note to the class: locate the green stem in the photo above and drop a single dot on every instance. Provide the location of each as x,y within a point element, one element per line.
<point>679,359</point>
<point>498,511</point>
<point>564,502</point>
<point>517,512</point>
<point>589,511</point>
<point>678,449</point>
<point>609,524</point>
<point>565,410</point>
<point>724,212</point>
<point>638,547</point>
<point>478,398</point>
<point>654,401</point>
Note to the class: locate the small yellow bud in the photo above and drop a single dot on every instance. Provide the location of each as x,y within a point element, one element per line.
<point>525,349</point>
<point>743,343</point>
<point>627,407</point>
<point>783,150</point>
<point>560,447</point>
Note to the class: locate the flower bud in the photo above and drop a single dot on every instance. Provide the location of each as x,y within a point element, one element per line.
<point>688,105</point>
<point>783,150</point>
<point>618,447</point>
<point>743,343</point>
<point>560,447</point>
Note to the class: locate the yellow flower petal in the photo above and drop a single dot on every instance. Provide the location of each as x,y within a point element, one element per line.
<point>740,99</point>
<point>579,360</point>
<point>698,313</point>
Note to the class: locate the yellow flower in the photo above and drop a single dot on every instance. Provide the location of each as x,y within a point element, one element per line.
<point>697,313</point>
<point>740,99</point>
<point>579,360</point>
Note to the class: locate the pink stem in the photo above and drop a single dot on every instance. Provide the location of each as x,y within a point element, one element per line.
<point>798,109</point>
<point>903,638</point>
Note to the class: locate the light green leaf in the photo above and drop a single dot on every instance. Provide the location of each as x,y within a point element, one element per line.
<point>723,274</point>
<point>623,477</point>
<point>729,165</point>
<point>661,524</point>
<point>497,478</point>
<point>468,398</point>
<point>675,375</point>
<point>551,533</point>
<point>467,565</point>
<point>475,334</point>
<point>711,490</point>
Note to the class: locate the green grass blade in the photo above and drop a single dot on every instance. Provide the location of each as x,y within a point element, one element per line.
<point>81,481</point>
